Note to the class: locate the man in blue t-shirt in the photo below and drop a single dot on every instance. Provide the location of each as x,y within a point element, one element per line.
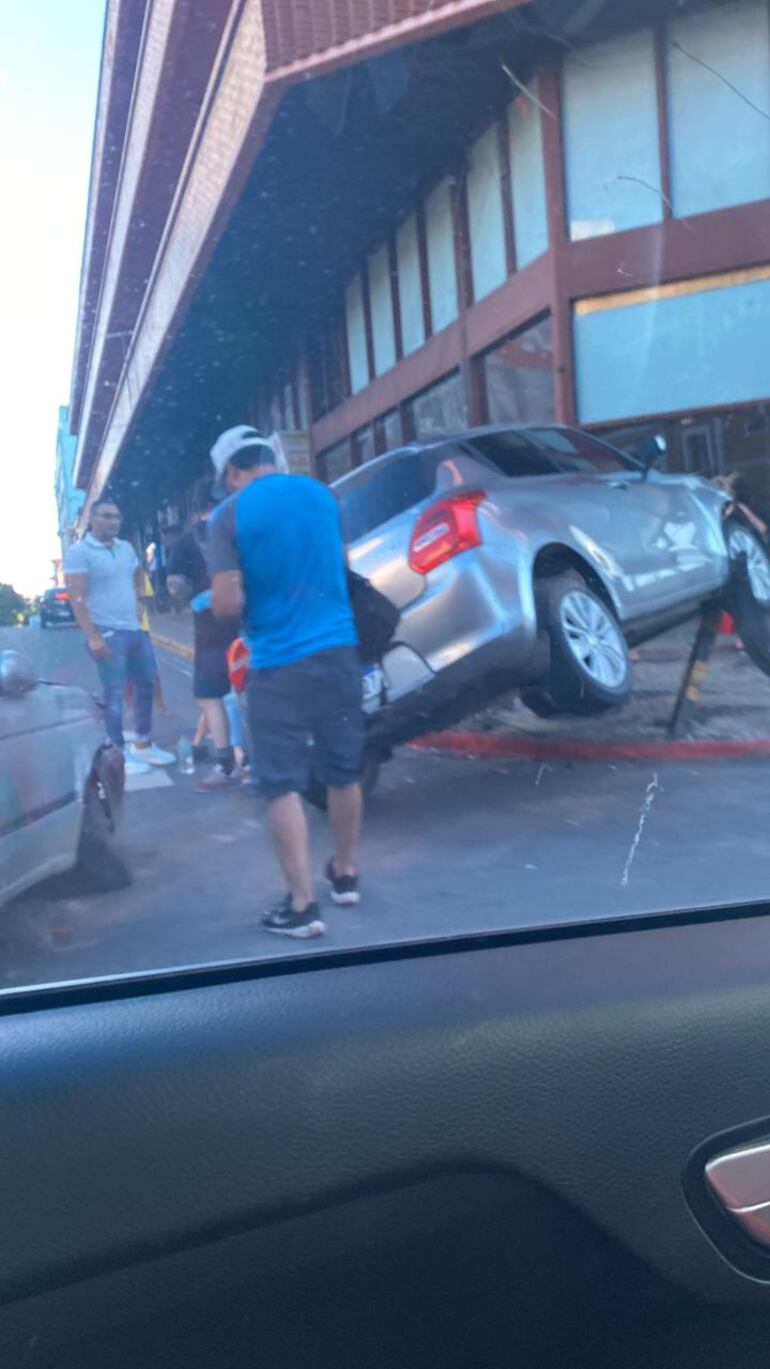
<point>276,556</point>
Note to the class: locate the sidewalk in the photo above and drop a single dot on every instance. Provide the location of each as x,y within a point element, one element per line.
<point>734,704</point>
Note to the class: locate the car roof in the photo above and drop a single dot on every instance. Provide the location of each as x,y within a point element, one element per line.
<point>436,443</point>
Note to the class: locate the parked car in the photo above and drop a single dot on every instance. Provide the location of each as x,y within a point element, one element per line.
<point>533,558</point>
<point>61,785</point>
<point>55,608</point>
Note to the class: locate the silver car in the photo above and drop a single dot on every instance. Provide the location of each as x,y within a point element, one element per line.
<point>61,786</point>
<point>530,557</point>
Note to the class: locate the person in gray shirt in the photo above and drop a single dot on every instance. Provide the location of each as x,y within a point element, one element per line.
<point>104,578</point>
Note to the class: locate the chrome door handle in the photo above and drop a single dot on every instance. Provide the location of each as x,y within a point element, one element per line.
<point>740,1182</point>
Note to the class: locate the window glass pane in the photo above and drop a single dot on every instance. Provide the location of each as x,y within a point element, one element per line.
<point>518,376</point>
<point>514,455</point>
<point>363,446</point>
<point>611,141</point>
<point>381,299</point>
<point>410,286</point>
<point>681,346</point>
<point>392,429</point>
<point>439,229</point>
<point>289,415</point>
<point>530,219</point>
<point>440,410</point>
<point>356,330</point>
<point>485,215</point>
<point>720,145</point>
<point>576,451</point>
<point>371,499</point>
<point>336,461</point>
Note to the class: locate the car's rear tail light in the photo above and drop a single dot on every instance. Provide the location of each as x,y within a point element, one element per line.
<point>444,530</point>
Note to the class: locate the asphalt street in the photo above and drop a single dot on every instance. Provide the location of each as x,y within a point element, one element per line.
<point>450,845</point>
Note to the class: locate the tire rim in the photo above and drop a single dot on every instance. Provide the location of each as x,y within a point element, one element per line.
<point>743,544</point>
<point>594,639</point>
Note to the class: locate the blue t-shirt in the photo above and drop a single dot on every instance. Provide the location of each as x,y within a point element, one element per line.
<point>283,534</point>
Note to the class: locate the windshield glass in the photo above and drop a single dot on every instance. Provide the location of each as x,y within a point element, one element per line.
<point>385,552</point>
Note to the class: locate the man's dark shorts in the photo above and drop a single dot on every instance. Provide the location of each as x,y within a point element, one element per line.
<point>212,637</point>
<point>318,698</point>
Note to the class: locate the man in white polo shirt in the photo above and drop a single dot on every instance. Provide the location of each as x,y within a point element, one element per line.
<point>105,580</point>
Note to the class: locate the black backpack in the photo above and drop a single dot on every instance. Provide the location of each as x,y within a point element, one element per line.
<point>375,615</point>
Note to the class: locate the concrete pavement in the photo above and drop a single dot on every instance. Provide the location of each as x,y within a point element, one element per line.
<point>450,845</point>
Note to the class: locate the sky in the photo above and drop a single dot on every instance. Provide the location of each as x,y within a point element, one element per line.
<point>49,69</point>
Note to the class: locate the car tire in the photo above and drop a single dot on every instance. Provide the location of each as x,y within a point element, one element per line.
<point>748,594</point>
<point>99,862</point>
<point>315,793</point>
<point>590,668</point>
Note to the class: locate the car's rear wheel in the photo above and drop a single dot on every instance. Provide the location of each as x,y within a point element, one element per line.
<point>99,862</point>
<point>590,666</point>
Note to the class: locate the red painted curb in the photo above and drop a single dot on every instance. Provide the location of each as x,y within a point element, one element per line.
<point>572,749</point>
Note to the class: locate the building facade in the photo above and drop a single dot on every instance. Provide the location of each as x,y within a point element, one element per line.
<point>375,222</point>
<point>69,499</point>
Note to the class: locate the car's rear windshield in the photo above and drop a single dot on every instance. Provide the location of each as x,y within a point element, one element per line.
<point>378,493</point>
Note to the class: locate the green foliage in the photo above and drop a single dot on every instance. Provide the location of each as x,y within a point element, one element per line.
<point>14,608</point>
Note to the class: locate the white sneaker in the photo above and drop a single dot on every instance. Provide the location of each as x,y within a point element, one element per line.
<point>151,755</point>
<point>133,767</point>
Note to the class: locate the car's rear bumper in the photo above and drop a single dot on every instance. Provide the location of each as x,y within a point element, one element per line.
<point>421,700</point>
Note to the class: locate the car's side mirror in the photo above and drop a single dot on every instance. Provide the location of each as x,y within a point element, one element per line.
<point>649,452</point>
<point>17,674</point>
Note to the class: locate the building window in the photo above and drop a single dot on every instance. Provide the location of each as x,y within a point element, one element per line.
<point>335,461</point>
<point>381,300</point>
<point>392,430</point>
<point>634,356</point>
<point>611,139</point>
<point>363,446</point>
<point>410,286</point>
<point>274,413</point>
<point>328,370</point>
<point>530,216</point>
<point>518,377</point>
<point>440,410</point>
<point>289,411</point>
<point>358,357</point>
<point>485,215</point>
<point>442,272</point>
<point>719,145</point>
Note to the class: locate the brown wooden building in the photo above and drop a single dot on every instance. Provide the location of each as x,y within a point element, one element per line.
<point>367,221</point>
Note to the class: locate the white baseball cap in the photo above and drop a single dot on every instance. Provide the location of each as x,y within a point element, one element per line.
<point>228,445</point>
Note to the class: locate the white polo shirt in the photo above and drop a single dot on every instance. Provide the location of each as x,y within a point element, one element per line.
<point>110,567</point>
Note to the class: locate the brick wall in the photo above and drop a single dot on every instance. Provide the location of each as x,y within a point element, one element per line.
<point>297,29</point>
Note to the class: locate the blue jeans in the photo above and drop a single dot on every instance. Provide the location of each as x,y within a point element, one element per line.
<point>233,709</point>
<point>131,659</point>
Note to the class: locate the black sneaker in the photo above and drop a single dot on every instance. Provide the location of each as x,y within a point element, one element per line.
<point>344,891</point>
<point>283,921</point>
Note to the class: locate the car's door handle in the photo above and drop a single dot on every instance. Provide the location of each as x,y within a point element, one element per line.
<point>740,1181</point>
